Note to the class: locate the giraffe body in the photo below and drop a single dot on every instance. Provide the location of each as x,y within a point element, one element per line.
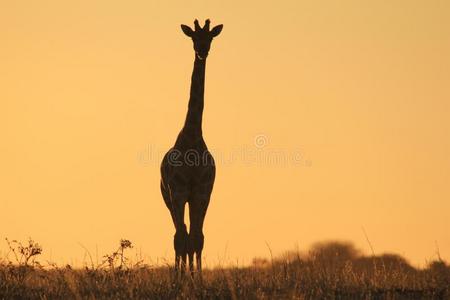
<point>188,169</point>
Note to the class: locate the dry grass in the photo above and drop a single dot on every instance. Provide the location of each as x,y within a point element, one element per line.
<point>328,271</point>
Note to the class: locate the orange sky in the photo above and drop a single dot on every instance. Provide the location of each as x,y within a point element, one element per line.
<point>350,101</point>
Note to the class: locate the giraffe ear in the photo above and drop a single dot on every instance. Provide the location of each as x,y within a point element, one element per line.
<point>187,30</point>
<point>216,30</point>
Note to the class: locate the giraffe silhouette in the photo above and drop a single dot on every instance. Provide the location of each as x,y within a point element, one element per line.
<point>188,169</point>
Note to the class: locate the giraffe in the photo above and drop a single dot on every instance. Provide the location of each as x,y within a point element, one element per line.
<point>188,169</point>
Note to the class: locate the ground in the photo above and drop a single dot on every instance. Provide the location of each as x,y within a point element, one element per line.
<point>328,271</point>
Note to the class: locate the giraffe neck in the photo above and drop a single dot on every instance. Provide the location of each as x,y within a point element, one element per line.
<point>193,122</point>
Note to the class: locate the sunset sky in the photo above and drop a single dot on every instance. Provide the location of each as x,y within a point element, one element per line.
<point>326,119</point>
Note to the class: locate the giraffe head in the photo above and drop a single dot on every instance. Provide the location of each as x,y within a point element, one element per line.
<point>202,37</point>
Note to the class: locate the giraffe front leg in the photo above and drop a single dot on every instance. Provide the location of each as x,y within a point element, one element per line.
<point>195,247</point>
<point>196,241</point>
<point>197,211</point>
<point>180,244</point>
<point>183,258</point>
<point>177,263</point>
<point>176,204</point>
<point>198,255</point>
<point>191,260</point>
